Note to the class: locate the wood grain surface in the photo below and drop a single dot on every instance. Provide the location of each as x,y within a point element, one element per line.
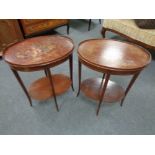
<point>41,88</point>
<point>92,88</point>
<point>111,54</point>
<point>39,50</point>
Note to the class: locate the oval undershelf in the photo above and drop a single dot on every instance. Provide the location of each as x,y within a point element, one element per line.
<point>92,89</point>
<point>41,88</point>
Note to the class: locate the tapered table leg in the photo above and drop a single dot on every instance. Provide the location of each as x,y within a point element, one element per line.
<point>104,32</point>
<point>107,76</point>
<point>71,69</point>
<point>22,85</point>
<point>46,73</point>
<point>68,28</point>
<point>129,86</point>
<point>102,80</point>
<point>52,86</point>
<point>89,25</point>
<point>79,67</point>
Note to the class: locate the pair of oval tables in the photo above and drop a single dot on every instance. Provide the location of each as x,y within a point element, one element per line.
<point>110,57</point>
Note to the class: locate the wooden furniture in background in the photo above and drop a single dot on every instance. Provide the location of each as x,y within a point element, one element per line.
<point>13,30</point>
<point>110,57</point>
<point>33,26</point>
<point>42,53</point>
<point>9,33</point>
<point>90,23</point>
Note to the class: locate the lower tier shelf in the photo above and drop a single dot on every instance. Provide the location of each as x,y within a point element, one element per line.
<point>41,88</point>
<point>92,89</point>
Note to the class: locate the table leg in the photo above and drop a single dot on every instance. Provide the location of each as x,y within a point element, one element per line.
<point>89,25</point>
<point>102,80</point>
<point>68,28</point>
<point>47,70</point>
<point>80,67</point>
<point>22,85</point>
<point>71,69</point>
<point>129,86</point>
<point>107,76</point>
<point>46,73</point>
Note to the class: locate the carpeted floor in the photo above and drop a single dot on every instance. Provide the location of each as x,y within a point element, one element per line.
<point>77,115</point>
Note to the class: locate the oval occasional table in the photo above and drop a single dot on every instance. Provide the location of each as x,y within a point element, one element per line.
<point>42,53</point>
<point>110,57</point>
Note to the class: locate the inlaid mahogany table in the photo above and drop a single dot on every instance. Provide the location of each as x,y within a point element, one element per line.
<point>110,57</point>
<point>42,53</point>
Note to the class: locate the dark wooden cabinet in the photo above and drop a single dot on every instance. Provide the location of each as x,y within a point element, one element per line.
<point>10,33</point>
<point>33,26</point>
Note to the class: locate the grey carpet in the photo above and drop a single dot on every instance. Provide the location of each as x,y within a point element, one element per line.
<point>77,115</point>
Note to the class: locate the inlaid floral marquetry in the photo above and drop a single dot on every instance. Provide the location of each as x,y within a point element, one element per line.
<point>42,53</point>
<point>39,50</point>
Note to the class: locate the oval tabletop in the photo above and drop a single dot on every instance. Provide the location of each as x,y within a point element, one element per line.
<point>39,50</point>
<point>111,54</point>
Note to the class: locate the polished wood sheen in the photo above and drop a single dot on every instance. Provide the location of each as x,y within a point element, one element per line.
<point>92,88</point>
<point>110,57</point>
<point>41,90</point>
<point>113,54</point>
<point>39,51</point>
<point>42,53</point>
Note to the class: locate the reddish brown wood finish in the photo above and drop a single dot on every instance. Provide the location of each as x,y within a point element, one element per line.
<point>92,88</point>
<point>50,78</point>
<point>41,88</point>
<point>113,55</point>
<point>103,90</point>
<point>110,57</point>
<point>22,85</point>
<point>41,53</point>
<point>38,51</point>
<point>79,73</point>
<point>9,33</point>
<point>33,26</point>
<point>1,54</point>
